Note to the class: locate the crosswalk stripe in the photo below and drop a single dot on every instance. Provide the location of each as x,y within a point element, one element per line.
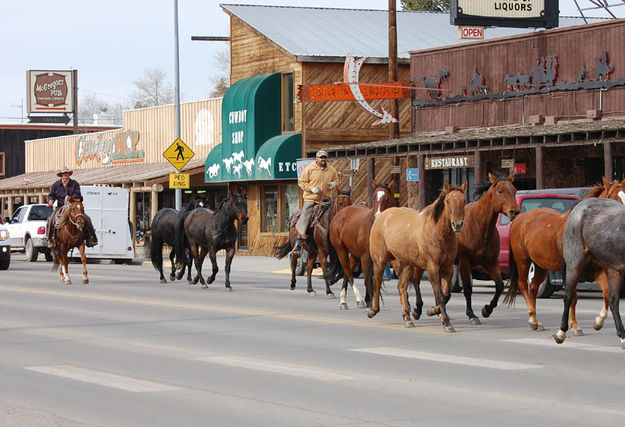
<point>101,378</point>
<point>567,344</point>
<point>277,368</point>
<point>447,358</point>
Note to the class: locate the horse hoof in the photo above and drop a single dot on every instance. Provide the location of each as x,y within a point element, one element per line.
<point>370,313</point>
<point>598,324</point>
<point>540,327</point>
<point>475,321</point>
<point>163,280</point>
<point>330,295</point>
<point>486,311</point>
<point>228,289</point>
<point>194,281</point>
<point>449,329</point>
<point>171,277</point>
<point>312,293</point>
<point>85,281</point>
<point>559,336</point>
<point>623,343</point>
<point>416,314</point>
<point>204,286</point>
<point>536,326</point>
<point>431,311</point>
<point>408,324</point>
<point>578,333</point>
<point>343,306</point>
<point>361,304</point>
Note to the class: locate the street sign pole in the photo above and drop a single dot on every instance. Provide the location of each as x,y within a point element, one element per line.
<point>178,191</point>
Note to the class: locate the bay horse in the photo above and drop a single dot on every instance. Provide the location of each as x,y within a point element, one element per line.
<point>478,242</point>
<point>317,244</point>
<point>349,235</point>
<point>536,237</point>
<point>423,240</point>
<point>70,234</point>
<point>207,232</point>
<point>593,234</point>
<point>164,231</point>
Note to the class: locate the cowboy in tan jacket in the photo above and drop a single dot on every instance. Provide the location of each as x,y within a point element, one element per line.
<point>316,179</point>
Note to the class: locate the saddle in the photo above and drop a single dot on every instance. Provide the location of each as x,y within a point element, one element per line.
<point>318,212</point>
<point>58,215</point>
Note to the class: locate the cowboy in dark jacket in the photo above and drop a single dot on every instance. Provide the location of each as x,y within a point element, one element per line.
<point>60,190</point>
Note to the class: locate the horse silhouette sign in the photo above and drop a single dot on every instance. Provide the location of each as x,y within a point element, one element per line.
<point>178,154</point>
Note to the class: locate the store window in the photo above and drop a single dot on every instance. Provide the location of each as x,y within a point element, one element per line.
<point>279,202</point>
<point>288,123</point>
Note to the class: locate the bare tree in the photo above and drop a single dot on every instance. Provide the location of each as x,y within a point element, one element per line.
<point>221,81</point>
<point>152,89</point>
<point>89,105</point>
<point>431,5</point>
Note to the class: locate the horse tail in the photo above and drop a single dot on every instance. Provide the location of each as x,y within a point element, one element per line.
<point>56,262</point>
<point>282,250</point>
<point>156,245</point>
<point>334,271</point>
<point>513,281</point>
<point>182,241</point>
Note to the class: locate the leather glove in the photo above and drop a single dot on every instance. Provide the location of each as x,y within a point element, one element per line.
<point>50,203</point>
<point>332,185</point>
<point>314,189</point>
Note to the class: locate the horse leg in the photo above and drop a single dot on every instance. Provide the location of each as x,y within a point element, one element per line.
<point>435,279</point>
<point>172,275</point>
<point>464,268</point>
<point>229,256</point>
<point>83,259</point>
<point>66,278</point>
<point>199,254</point>
<point>602,280</point>
<point>293,257</point>
<point>402,286</point>
<point>615,280</point>
<point>495,274</point>
<point>379,263</point>
<point>572,275</point>
<point>309,268</point>
<point>189,267</point>
<point>347,262</point>
<point>323,260</point>
<point>416,282</point>
<point>365,267</point>
<point>213,256</point>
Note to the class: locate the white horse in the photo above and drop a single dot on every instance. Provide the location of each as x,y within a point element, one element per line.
<point>213,170</point>
<point>264,164</point>
<point>238,157</point>
<point>248,166</point>
<point>228,162</point>
<point>237,169</point>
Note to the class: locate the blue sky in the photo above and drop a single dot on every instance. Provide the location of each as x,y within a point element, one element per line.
<point>112,42</point>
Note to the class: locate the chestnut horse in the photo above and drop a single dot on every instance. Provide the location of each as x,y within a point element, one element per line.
<point>478,242</point>
<point>536,237</point>
<point>349,234</point>
<point>420,241</point>
<point>207,232</point>
<point>70,234</point>
<point>593,235</point>
<point>317,244</point>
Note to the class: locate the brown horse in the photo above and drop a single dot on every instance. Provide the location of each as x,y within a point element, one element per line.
<point>478,243</point>
<point>425,240</point>
<point>317,244</point>
<point>349,234</point>
<point>70,234</point>
<point>536,237</point>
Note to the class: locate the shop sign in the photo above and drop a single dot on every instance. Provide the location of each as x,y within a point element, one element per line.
<point>119,148</point>
<point>471,32</point>
<point>507,163</point>
<point>520,168</point>
<point>178,154</point>
<point>49,91</point>
<point>180,180</point>
<point>450,162</point>
<point>412,174</point>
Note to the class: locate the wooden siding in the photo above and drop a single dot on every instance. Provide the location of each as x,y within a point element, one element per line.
<point>156,127</point>
<point>576,48</point>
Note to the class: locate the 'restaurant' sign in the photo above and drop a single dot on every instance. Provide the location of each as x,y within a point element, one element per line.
<point>49,91</point>
<point>450,162</point>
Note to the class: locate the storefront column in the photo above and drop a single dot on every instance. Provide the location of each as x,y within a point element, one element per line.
<point>42,198</point>
<point>153,205</point>
<point>133,212</point>
<point>477,172</point>
<point>608,161</point>
<point>10,207</point>
<point>412,186</point>
<point>370,179</point>
<point>540,172</point>
<point>421,186</point>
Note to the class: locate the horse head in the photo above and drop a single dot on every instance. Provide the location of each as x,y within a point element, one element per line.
<point>501,194</point>
<point>239,204</point>
<point>75,213</point>
<point>382,197</point>
<point>341,201</point>
<point>453,205</point>
<point>612,190</point>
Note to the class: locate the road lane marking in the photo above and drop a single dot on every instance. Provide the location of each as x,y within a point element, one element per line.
<point>277,368</point>
<point>567,344</point>
<point>447,358</point>
<point>102,378</point>
<point>205,306</point>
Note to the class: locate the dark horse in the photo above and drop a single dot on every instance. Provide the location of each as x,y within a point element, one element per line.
<point>164,229</point>
<point>207,232</point>
<point>419,240</point>
<point>592,234</point>
<point>478,243</point>
<point>70,234</point>
<point>349,235</point>
<point>318,243</point>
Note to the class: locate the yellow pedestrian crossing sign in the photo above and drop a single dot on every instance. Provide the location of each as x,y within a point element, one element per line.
<point>178,154</point>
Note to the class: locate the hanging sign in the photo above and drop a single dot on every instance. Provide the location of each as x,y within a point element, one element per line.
<point>451,162</point>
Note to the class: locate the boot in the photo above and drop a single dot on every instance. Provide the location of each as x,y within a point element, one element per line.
<point>297,249</point>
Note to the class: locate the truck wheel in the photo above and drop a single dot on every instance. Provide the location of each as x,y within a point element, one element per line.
<point>48,255</point>
<point>5,261</point>
<point>31,251</point>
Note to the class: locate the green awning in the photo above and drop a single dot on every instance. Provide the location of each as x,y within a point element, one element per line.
<point>277,158</point>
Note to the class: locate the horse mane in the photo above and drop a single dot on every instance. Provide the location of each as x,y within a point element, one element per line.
<point>594,191</point>
<point>439,203</point>
<point>483,188</point>
<point>193,204</point>
<point>345,193</point>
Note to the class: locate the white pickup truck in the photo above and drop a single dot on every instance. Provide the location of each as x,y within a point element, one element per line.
<point>27,230</point>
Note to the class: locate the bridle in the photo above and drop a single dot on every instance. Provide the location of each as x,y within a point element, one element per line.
<point>78,224</point>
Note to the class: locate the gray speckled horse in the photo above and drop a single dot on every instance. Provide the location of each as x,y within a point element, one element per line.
<point>594,233</point>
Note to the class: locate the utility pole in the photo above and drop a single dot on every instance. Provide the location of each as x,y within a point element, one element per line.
<point>392,76</point>
<point>178,191</point>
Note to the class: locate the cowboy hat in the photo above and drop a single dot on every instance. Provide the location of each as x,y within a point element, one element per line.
<point>63,170</point>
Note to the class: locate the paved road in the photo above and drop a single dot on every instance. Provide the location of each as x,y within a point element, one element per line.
<point>127,350</point>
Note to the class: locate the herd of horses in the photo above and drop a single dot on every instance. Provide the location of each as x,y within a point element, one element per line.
<point>586,241</point>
